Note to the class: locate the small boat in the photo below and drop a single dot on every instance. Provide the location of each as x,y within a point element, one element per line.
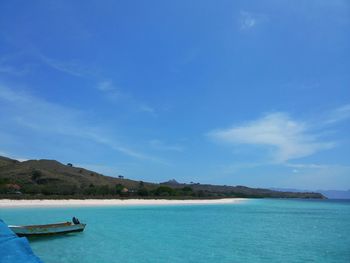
<point>49,229</point>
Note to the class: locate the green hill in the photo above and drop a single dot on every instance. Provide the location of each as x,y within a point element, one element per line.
<point>52,179</point>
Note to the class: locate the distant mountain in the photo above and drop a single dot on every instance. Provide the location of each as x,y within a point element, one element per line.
<point>38,178</point>
<point>243,191</point>
<point>331,194</point>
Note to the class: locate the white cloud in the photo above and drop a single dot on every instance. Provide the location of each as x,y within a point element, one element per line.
<point>289,139</point>
<point>106,85</point>
<point>43,116</point>
<point>339,114</point>
<point>7,69</point>
<point>159,145</point>
<point>113,93</point>
<point>146,108</point>
<point>110,90</point>
<point>7,66</point>
<point>71,67</point>
<point>247,20</point>
<point>250,20</point>
<point>306,165</point>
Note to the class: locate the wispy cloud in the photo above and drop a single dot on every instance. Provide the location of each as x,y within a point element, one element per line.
<point>289,139</point>
<point>112,92</point>
<point>7,66</point>
<point>43,116</point>
<point>147,109</point>
<point>72,67</point>
<point>115,94</point>
<point>7,69</point>
<point>306,165</point>
<point>160,145</point>
<point>102,139</point>
<point>339,114</point>
<point>106,85</point>
<point>247,20</point>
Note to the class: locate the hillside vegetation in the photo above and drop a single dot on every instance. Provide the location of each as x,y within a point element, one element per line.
<point>52,179</point>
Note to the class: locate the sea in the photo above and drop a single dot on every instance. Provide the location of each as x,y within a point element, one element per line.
<point>255,230</point>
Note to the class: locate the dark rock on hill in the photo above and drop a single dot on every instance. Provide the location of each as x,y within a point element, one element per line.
<point>171,182</point>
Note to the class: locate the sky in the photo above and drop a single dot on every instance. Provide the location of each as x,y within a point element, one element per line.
<point>253,93</point>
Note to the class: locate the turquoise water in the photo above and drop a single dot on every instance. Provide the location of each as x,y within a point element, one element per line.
<point>253,231</point>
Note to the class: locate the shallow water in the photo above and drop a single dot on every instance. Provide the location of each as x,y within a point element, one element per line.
<point>252,231</point>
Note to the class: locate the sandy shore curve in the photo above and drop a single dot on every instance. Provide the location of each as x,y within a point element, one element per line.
<point>9,203</point>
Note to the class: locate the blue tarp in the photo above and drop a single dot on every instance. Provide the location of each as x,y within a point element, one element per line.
<point>14,249</point>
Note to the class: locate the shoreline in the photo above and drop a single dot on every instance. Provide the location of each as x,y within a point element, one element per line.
<point>12,203</point>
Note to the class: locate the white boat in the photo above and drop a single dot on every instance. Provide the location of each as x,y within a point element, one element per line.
<point>49,229</point>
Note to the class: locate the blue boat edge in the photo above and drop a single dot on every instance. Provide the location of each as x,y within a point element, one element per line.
<point>15,249</point>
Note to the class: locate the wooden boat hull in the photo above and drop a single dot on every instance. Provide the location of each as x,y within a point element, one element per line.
<point>44,230</point>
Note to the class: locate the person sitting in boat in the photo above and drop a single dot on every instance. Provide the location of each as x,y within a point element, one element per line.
<point>75,221</point>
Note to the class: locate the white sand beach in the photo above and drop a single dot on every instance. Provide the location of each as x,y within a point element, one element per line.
<point>9,203</point>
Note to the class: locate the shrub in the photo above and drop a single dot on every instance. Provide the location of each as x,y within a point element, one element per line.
<point>164,191</point>
<point>36,174</point>
<point>119,188</point>
<point>142,192</point>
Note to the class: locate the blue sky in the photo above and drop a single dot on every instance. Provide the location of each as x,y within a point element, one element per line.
<point>252,93</point>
